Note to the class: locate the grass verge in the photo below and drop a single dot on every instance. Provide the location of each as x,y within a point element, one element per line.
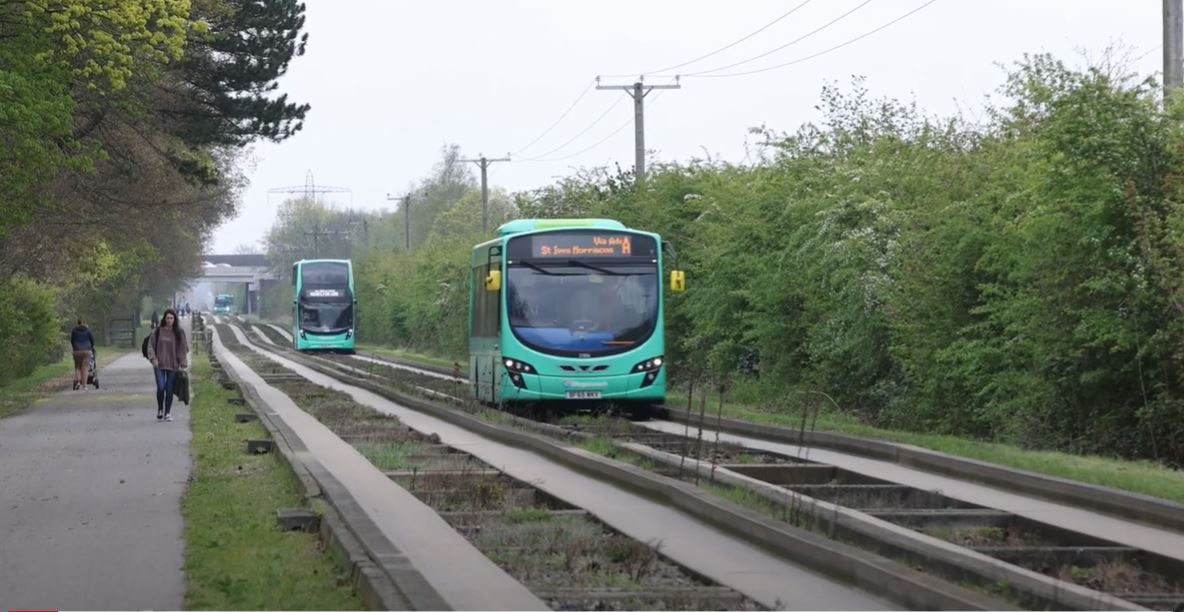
<point>236,558</point>
<point>1144,477</point>
<point>46,380</point>
<point>410,356</point>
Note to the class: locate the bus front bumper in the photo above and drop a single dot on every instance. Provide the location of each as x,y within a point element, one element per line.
<point>628,387</point>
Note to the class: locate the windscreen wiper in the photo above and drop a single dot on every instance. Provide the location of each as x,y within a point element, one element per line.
<point>605,271</point>
<point>541,269</point>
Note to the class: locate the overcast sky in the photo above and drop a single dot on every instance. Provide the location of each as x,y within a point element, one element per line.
<point>390,82</point>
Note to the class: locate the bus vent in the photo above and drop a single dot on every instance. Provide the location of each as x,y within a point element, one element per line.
<point>584,368</point>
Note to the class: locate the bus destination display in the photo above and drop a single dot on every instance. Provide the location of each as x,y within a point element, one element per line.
<point>583,245</point>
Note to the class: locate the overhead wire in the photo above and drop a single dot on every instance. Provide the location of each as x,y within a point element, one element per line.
<point>530,144</point>
<point>582,132</point>
<point>786,45</point>
<point>598,142</point>
<point>814,55</point>
<point>719,50</point>
<point>1149,52</point>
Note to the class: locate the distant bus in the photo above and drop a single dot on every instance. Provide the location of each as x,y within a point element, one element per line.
<point>323,305</point>
<point>224,304</point>
<point>570,312</point>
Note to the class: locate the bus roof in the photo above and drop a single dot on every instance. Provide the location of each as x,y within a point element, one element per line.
<point>530,225</point>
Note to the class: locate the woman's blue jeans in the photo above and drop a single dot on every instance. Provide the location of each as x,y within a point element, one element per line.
<point>165,380</point>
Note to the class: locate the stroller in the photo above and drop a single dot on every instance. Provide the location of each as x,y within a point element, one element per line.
<point>92,371</point>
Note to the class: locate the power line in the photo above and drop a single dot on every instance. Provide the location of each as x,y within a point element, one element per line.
<point>557,121</point>
<point>812,56</point>
<point>583,131</point>
<point>721,49</point>
<point>598,142</point>
<point>786,45</point>
<point>1149,52</point>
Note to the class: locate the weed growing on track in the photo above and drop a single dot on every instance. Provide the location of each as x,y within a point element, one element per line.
<point>235,555</point>
<point>390,455</point>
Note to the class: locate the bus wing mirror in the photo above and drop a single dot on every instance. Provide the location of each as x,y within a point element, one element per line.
<point>493,280</point>
<point>678,281</point>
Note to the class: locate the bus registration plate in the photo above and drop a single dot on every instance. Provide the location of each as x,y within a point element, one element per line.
<point>583,395</point>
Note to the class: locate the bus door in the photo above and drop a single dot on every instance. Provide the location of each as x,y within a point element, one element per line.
<point>487,325</point>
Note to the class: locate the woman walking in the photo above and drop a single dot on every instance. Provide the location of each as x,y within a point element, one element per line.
<point>169,352</point>
<point>82,342</point>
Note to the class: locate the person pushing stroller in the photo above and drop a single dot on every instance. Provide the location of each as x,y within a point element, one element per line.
<point>82,342</point>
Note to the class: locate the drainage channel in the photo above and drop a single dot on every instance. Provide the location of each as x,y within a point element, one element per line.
<point>1138,576</point>
<point>561,553</point>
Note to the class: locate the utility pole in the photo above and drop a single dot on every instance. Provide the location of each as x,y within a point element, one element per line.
<point>1173,47</point>
<point>638,91</point>
<point>484,163</point>
<point>406,199</point>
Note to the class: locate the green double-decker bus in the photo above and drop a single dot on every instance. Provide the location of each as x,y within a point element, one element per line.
<point>323,305</point>
<point>569,312</point>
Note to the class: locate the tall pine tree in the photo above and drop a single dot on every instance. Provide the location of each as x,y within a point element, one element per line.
<point>229,72</point>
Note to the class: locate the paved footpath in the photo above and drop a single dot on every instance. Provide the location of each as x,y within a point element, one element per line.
<point>90,498</point>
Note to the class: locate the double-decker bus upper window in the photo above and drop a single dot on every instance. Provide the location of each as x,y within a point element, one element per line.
<point>325,273</point>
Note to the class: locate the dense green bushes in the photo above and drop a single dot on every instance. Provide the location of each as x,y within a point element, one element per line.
<point>28,325</point>
<point>1019,280</point>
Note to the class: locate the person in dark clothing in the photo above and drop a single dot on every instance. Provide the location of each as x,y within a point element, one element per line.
<point>168,351</point>
<point>155,319</point>
<point>82,342</point>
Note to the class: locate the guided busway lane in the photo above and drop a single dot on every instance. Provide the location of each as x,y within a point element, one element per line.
<point>462,576</point>
<point>1160,541</point>
<point>762,576</point>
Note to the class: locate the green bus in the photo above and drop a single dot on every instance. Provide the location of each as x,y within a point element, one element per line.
<point>569,312</point>
<point>323,305</point>
<point>224,303</point>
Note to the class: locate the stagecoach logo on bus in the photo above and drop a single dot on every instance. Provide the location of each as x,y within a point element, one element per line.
<point>584,384</point>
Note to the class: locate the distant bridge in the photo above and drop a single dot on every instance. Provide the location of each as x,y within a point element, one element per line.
<point>253,271</point>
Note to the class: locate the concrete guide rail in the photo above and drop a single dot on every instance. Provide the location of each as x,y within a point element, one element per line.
<point>1165,542</point>
<point>878,534</point>
<point>1123,504</point>
<point>420,552</point>
<point>706,549</point>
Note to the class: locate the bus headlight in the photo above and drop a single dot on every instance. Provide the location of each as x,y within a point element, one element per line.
<point>649,365</point>
<point>516,368</point>
<point>303,336</point>
<point>349,333</point>
<point>514,365</point>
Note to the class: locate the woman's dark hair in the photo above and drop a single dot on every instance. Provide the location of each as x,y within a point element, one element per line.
<point>80,322</point>
<point>176,323</point>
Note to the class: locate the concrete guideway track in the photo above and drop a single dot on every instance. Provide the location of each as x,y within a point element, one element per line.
<point>1160,541</point>
<point>462,577</point>
<point>262,336</point>
<point>748,569</point>
<point>399,366</point>
<point>285,334</point>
